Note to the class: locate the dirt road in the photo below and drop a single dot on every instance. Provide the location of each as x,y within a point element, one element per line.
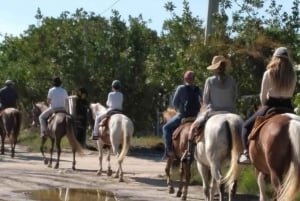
<point>144,177</point>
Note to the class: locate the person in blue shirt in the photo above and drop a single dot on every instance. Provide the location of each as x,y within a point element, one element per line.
<point>187,104</point>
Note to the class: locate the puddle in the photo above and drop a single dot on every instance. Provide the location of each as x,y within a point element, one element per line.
<point>70,194</point>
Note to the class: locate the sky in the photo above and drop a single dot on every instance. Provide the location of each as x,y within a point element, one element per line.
<point>17,15</point>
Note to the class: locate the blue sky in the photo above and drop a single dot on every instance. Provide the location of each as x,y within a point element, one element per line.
<point>17,15</point>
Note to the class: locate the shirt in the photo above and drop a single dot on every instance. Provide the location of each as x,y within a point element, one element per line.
<point>58,96</point>
<point>220,96</point>
<point>115,100</point>
<point>268,91</point>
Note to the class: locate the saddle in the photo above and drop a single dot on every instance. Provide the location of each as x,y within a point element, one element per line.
<point>183,123</point>
<point>262,120</point>
<point>49,119</point>
<point>104,123</point>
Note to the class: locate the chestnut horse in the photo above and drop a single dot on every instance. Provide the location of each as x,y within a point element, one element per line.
<point>120,131</point>
<point>275,152</point>
<point>219,147</point>
<point>59,125</point>
<point>179,143</point>
<point>10,125</point>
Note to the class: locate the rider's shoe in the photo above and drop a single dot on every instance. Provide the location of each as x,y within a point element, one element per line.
<point>244,158</point>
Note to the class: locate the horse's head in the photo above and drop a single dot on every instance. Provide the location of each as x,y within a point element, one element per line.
<point>37,109</point>
<point>167,115</point>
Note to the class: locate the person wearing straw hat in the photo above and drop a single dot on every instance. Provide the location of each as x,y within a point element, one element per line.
<point>277,89</point>
<point>219,96</point>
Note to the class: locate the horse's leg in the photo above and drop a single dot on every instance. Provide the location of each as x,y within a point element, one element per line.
<point>51,153</point>
<point>262,186</point>
<point>109,170</point>
<point>182,172</point>
<point>74,159</point>
<point>100,157</point>
<point>168,174</point>
<point>217,176</point>
<point>2,143</point>
<point>58,147</point>
<point>205,175</point>
<point>232,190</point>
<point>13,146</point>
<point>187,174</point>
<point>42,150</point>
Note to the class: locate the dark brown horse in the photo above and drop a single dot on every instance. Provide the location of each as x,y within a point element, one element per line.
<point>10,125</point>
<point>59,125</point>
<point>275,152</point>
<point>180,143</point>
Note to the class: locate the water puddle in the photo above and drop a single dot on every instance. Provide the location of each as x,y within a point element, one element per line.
<point>70,194</point>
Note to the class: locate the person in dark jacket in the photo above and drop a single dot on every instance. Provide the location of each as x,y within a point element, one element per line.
<point>187,103</point>
<point>8,95</point>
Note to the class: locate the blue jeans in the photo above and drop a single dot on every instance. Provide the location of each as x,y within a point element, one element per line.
<point>168,130</point>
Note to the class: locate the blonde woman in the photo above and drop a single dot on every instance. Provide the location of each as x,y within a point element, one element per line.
<point>277,88</point>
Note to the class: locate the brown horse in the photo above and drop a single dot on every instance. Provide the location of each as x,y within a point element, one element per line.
<point>59,125</point>
<point>10,125</point>
<point>275,152</point>
<point>180,143</point>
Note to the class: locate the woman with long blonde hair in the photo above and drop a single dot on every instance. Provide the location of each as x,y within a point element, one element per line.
<point>277,88</point>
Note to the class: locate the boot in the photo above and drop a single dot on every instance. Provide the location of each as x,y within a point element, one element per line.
<point>190,153</point>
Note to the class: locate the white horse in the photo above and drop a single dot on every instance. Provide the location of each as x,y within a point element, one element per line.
<point>220,145</point>
<point>120,131</point>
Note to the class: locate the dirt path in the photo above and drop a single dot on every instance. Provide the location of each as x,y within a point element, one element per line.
<point>144,177</point>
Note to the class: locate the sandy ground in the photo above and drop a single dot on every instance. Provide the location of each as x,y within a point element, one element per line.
<point>144,176</point>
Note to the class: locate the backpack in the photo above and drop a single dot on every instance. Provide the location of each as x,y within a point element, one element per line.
<point>192,104</point>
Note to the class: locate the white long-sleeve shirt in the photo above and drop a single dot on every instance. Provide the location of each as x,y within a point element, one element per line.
<point>268,91</point>
<point>114,100</point>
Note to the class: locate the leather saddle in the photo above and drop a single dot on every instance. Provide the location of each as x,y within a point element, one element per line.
<point>184,121</point>
<point>262,120</point>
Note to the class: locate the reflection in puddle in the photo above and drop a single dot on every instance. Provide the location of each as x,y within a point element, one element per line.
<point>71,194</point>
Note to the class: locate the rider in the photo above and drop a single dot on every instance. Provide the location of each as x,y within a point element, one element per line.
<point>114,103</point>
<point>187,103</point>
<point>56,99</point>
<point>219,96</point>
<point>8,95</point>
<point>277,88</point>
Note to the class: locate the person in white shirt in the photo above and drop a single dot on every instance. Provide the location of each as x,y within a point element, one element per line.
<point>114,102</point>
<point>277,89</point>
<point>56,99</point>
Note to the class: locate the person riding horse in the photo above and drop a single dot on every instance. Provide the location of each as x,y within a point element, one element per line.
<point>114,103</point>
<point>277,88</point>
<point>187,101</point>
<point>8,95</point>
<point>219,96</point>
<point>56,99</point>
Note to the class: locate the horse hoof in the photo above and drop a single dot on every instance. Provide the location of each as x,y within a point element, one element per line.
<point>121,180</point>
<point>171,190</point>
<point>183,198</point>
<point>109,172</point>
<point>179,193</point>
<point>73,168</point>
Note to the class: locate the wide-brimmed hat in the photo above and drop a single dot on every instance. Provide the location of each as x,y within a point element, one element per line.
<point>281,52</point>
<point>216,61</point>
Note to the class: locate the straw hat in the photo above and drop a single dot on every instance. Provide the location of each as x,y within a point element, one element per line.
<point>216,61</point>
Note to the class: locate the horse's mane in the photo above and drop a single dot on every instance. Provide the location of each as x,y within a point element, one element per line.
<point>97,108</point>
<point>168,114</point>
<point>42,105</point>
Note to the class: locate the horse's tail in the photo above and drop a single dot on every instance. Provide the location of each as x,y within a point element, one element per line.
<point>71,135</point>
<point>127,128</point>
<point>291,183</point>
<point>236,147</point>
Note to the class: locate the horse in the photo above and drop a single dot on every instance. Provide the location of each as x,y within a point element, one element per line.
<point>120,132</point>
<point>219,147</point>
<point>180,144</point>
<point>60,124</point>
<point>10,124</point>
<point>275,152</point>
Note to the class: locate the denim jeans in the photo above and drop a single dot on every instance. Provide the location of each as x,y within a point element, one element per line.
<point>168,130</point>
